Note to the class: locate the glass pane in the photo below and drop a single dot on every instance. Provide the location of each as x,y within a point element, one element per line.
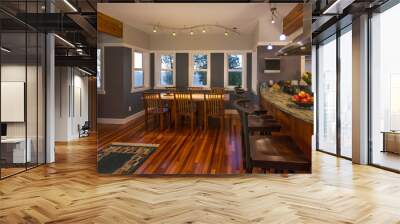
<point>138,60</point>
<point>385,89</point>
<point>167,62</point>
<point>235,78</point>
<point>138,78</point>
<point>346,94</point>
<point>13,89</point>
<point>166,78</point>
<point>200,78</point>
<point>31,100</point>
<point>41,99</point>
<point>99,68</point>
<point>235,61</point>
<point>200,61</point>
<point>327,97</point>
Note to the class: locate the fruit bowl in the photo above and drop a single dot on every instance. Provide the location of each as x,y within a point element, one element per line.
<point>303,99</point>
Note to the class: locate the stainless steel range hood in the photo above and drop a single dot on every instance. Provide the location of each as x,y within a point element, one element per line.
<point>301,45</point>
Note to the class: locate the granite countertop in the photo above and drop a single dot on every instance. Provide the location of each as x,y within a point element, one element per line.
<point>283,102</point>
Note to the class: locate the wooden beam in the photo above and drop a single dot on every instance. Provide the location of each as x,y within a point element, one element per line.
<point>109,25</point>
<point>294,20</point>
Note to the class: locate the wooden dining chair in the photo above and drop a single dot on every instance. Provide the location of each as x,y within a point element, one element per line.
<point>214,107</point>
<point>218,90</point>
<point>153,105</point>
<point>184,106</point>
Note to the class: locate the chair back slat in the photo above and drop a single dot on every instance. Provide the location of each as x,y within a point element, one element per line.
<point>183,103</point>
<point>152,102</point>
<point>214,103</point>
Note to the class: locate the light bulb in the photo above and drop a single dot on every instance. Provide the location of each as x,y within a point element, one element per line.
<point>282,37</point>
<point>173,34</point>
<point>270,47</point>
<point>191,33</point>
<point>273,21</point>
<point>204,30</point>
<point>226,33</point>
<point>154,30</point>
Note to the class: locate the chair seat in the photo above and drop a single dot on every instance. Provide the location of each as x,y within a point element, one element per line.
<point>259,123</point>
<point>278,152</point>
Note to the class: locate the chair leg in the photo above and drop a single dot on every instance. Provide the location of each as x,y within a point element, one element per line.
<point>146,118</point>
<point>162,121</point>
<point>192,121</point>
<point>176,122</point>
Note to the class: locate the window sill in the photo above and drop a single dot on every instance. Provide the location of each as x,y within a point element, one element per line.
<point>139,89</point>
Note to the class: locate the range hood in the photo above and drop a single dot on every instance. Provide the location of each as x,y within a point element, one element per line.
<point>301,45</point>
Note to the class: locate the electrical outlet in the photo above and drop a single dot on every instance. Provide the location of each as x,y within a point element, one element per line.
<point>130,108</point>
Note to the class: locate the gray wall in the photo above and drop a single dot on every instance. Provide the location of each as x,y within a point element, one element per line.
<point>217,70</point>
<point>182,70</point>
<point>290,66</point>
<point>118,98</point>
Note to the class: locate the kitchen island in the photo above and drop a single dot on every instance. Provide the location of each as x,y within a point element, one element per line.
<point>296,122</point>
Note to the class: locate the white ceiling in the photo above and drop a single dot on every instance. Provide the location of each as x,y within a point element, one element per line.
<point>241,15</point>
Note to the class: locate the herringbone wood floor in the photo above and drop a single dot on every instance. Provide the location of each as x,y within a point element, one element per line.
<point>70,191</point>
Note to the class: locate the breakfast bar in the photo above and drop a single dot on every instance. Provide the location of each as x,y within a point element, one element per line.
<point>296,122</point>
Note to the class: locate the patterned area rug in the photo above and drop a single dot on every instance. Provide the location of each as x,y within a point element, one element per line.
<point>123,158</point>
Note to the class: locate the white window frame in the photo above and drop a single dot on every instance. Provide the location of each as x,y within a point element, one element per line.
<point>145,69</point>
<point>101,89</point>
<point>157,69</point>
<point>243,70</point>
<point>134,69</point>
<point>192,70</point>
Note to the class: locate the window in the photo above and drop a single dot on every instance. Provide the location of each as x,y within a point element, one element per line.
<point>100,76</point>
<point>166,70</point>
<point>138,74</point>
<point>234,70</point>
<point>327,129</point>
<point>199,75</point>
<point>385,89</point>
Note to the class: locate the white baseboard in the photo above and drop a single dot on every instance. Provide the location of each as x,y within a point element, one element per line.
<point>120,120</point>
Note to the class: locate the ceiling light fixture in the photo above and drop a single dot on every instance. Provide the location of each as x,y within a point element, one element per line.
<point>5,50</point>
<point>173,34</point>
<point>154,30</point>
<point>273,11</point>
<point>204,30</point>
<point>226,33</point>
<point>64,40</point>
<point>282,37</point>
<point>270,47</point>
<point>191,33</point>
<point>70,5</point>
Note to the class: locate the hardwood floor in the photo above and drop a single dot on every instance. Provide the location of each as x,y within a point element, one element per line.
<point>215,151</point>
<point>70,191</point>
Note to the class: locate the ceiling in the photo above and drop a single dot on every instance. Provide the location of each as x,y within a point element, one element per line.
<point>243,16</point>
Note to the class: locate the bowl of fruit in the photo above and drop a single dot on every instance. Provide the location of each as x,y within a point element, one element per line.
<point>303,99</point>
